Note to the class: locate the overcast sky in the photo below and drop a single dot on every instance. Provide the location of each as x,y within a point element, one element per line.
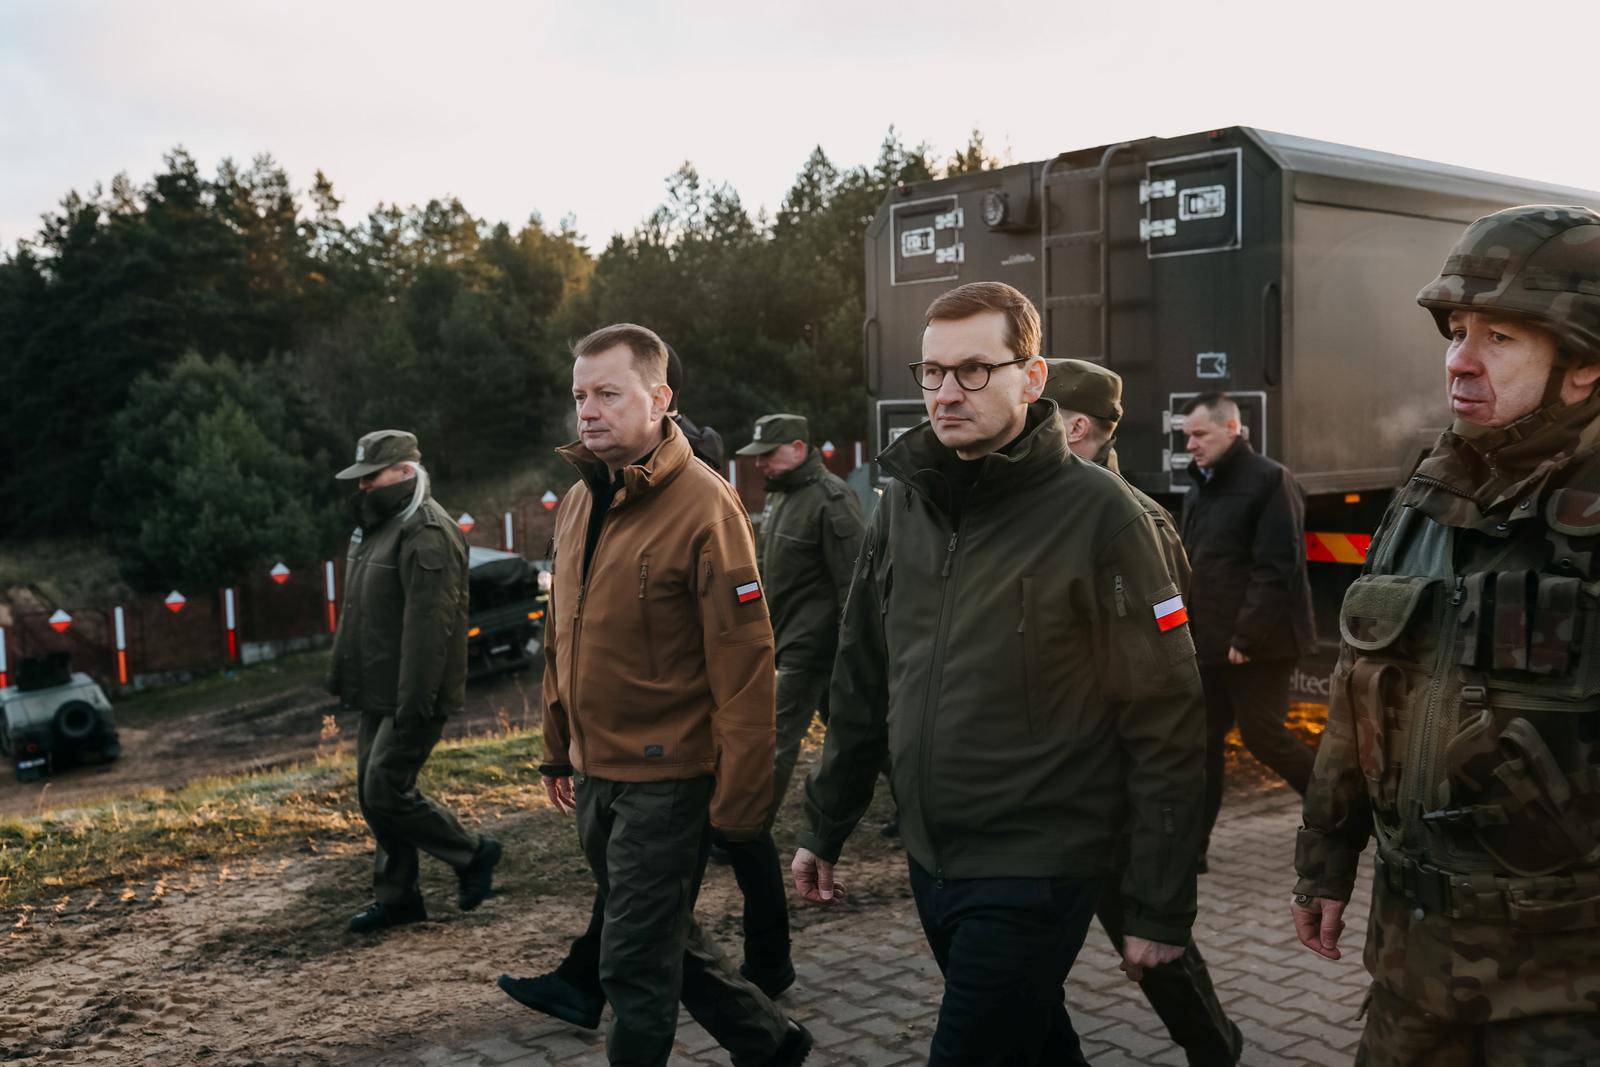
<point>584,108</point>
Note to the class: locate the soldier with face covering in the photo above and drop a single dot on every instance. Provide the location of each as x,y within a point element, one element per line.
<point>400,656</point>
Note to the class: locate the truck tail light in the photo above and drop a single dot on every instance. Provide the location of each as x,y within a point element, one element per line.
<point>475,631</point>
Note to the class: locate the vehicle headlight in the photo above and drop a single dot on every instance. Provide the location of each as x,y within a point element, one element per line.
<point>545,581</point>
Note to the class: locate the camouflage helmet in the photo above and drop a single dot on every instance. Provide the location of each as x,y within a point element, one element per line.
<point>1539,261</point>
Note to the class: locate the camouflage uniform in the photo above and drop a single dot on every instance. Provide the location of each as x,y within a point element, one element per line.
<point>1464,724</point>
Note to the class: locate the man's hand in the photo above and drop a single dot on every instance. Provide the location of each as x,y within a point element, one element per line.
<point>1236,657</point>
<point>813,878</point>
<point>1138,954</point>
<point>1318,923</point>
<point>559,792</point>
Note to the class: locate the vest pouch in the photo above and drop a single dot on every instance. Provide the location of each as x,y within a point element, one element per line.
<point>1390,616</point>
<point>1374,691</point>
<point>1554,912</point>
<point>1553,634</point>
<point>1541,639</point>
<point>1507,788</point>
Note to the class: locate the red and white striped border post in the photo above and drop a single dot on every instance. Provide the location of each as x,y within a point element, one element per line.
<point>333,611</point>
<point>120,625</point>
<point>231,619</point>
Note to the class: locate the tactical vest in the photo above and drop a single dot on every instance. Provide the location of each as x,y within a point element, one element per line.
<point>1474,683</point>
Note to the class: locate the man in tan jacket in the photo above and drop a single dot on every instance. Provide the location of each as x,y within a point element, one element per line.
<point>658,688</point>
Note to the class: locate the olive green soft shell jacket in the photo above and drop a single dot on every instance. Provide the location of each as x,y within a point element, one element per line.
<point>401,645</point>
<point>1013,671</point>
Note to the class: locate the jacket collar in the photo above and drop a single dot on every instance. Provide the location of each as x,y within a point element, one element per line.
<point>808,471</point>
<point>1107,456</point>
<point>1229,460</point>
<point>639,479</point>
<point>919,460</point>
<point>1473,474</point>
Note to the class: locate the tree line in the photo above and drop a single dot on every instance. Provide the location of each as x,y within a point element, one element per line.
<point>184,362</point>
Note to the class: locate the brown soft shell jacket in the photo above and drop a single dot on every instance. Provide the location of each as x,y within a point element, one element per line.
<point>655,668</point>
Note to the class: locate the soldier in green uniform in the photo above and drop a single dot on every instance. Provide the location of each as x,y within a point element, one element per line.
<point>1464,724</point>
<point>400,657</point>
<point>1090,398</point>
<point>810,536</point>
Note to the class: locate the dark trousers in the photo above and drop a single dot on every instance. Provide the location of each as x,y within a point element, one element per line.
<point>1005,946</point>
<point>402,820</point>
<point>1180,992</point>
<point>801,692</point>
<point>1256,696</point>
<point>646,843</point>
<point>759,871</point>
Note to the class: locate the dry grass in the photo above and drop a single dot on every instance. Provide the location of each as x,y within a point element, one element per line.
<point>224,819</point>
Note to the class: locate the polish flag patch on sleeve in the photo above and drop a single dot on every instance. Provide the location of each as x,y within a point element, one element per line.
<point>1171,613</point>
<point>747,592</point>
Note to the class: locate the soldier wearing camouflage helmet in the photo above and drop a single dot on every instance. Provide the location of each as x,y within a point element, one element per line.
<point>400,658</point>
<point>1464,726</point>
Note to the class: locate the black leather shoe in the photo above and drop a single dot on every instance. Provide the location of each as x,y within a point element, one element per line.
<point>772,983</point>
<point>795,1048</point>
<point>476,876</point>
<point>381,916</point>
<point>553,995</point>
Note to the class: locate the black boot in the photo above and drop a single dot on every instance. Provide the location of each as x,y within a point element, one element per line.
<point>381,916</point>
<point>553,995</point>
<point>795,1048</point>
<point>476,876</point>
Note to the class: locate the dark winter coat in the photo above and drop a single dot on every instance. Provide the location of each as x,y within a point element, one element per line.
<point>1244,530</point>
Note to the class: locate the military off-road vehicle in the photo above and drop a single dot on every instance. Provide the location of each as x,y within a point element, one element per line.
<point>505,620</point>
<point>54,717</point>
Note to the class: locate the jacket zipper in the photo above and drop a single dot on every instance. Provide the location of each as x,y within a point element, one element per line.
<point>1445,486</point>
<point>577,630</point>
<point>935,675</point>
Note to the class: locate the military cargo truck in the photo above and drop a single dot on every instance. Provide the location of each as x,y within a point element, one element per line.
<point>1280,269</point>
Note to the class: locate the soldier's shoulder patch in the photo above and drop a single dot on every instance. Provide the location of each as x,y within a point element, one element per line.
<point>1574,512</point>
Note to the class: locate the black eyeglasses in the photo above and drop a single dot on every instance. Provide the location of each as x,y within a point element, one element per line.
<point>970,376</point>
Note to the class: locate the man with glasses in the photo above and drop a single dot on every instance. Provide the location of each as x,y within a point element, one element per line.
<point>1015,643</point>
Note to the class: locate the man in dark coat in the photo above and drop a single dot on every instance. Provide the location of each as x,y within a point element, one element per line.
<point>1244,528</point>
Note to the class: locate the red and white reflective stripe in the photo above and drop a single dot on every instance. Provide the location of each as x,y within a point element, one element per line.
<point>4,674</point>
<point>748,592</point>
<point>1171,613</point>
<point>1337,547</point>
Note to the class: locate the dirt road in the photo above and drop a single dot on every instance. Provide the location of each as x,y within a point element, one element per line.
<point>250,963</point>
<point>262,718</point>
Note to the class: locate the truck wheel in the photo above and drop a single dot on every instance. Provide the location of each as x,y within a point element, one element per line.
<point>75,720</point>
